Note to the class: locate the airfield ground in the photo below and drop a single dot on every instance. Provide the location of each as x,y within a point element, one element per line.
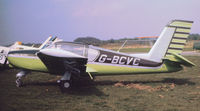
<point>179,91</point>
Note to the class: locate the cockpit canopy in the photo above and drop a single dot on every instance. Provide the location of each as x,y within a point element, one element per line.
<point>77,48</point>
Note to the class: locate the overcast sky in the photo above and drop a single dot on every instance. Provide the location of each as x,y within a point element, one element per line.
<point>32,21</point>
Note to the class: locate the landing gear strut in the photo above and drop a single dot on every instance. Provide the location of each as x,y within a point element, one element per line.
<point>19,78</point>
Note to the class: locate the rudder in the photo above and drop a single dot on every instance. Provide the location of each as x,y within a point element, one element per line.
<point>171,40</point>
<point>179,39</point>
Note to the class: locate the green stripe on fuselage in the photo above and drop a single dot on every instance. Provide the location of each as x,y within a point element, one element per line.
<point>34,64</point>
<point>122,70</point>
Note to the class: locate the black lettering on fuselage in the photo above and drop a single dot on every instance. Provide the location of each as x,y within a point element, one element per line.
<point>122,60</point>
<point>102,58</point>
<point>117,58</point>
<point>136,61</point>
<point>129,60</point>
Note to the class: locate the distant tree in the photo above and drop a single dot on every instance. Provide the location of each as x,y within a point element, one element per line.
<point>111,41</point>
<point>194,37</point>
<point>196,45</point>
<point>89,40</point>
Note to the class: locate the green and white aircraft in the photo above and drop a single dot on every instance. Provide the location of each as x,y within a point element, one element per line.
<point>73,60</point>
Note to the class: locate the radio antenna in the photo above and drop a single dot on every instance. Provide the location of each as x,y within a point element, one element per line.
<point>122,45</point>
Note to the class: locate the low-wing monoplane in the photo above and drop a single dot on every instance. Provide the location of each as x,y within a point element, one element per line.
<point>76,60</point>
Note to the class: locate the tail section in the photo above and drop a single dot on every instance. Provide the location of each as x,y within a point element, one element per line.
<point>180,59</point>
<point>171,40</point>
<point>179,38</point>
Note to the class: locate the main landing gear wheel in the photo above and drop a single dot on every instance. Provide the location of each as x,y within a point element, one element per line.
<point>19,77</point>
<point>65,85</point>
<point>65,82</point>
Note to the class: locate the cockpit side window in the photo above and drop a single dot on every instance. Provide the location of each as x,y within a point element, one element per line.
<point>73,48</point>
<point>79,49</point>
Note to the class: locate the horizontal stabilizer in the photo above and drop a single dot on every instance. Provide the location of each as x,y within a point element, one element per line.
<point>180,59</point>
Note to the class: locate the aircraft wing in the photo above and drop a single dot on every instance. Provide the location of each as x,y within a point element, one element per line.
<point>58,62</point>
<point>89,69</point>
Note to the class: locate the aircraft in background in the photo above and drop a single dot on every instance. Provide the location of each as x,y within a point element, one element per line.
<point>18,46</point>
<point>74,60</point>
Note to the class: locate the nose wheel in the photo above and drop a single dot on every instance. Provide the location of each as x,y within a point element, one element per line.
<point>19,77</point>
<point>19,82</point>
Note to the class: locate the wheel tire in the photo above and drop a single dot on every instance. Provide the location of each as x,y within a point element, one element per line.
<point>65,85</point>
<point>18,83</point>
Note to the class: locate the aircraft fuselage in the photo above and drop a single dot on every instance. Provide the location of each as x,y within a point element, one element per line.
<point>101,61</point>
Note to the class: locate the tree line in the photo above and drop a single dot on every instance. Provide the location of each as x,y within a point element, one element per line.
<point>97,42</point>
<point>194,37</point>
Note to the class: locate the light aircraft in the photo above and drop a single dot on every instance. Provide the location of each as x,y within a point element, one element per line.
<point>18,46</point>
<point>74,60</point>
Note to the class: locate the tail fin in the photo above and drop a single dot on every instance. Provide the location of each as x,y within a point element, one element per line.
<point>171,40</point>
<point>47,42</point>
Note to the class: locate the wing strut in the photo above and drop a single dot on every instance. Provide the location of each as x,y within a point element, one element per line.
<point>90,75</point>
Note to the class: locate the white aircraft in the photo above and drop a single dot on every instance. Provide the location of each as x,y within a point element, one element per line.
<point>18,46</point>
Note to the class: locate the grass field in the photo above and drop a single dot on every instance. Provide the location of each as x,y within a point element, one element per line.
<point>179,91</point>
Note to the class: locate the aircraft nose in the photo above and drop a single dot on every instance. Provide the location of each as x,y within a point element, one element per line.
<point>46,51</point>
<point>50,52</point>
